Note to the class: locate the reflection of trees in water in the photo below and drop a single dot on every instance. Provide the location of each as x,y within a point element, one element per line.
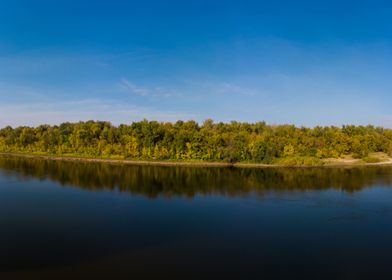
<point>153,181</point>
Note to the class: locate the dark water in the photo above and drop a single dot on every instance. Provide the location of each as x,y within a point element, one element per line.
<point>67,220</point>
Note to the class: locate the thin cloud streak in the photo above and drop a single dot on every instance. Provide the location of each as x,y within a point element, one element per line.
<point>132,88</point>
<point>83,110</point>
<point>152,92</point>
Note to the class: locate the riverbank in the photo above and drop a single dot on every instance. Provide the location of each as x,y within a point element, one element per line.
<point>325,163</point>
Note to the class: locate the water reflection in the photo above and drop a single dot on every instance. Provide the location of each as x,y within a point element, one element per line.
<point>154,181</point>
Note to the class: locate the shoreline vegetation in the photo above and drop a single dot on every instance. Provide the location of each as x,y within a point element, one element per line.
<point>236,144</point>
<point>327,163</point>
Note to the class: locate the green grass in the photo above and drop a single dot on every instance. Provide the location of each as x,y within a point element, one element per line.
<point>300,160</point>
<point>371,159</point>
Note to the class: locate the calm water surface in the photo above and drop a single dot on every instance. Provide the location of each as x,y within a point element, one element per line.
<point>68,220</point>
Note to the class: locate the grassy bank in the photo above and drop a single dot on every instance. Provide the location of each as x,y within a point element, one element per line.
<point>374,159</point>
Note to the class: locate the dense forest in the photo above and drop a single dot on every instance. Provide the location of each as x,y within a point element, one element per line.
<point>209,141</point>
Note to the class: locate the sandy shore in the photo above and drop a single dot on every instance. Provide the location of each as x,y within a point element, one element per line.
<point>333,163</point>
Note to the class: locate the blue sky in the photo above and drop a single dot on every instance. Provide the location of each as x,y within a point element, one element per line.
<point>300,62</point>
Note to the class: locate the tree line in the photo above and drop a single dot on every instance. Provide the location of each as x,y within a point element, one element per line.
<point>188,140</point>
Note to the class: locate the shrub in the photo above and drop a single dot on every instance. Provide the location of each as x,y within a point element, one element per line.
<point>370,159</point>
<point>300,160</point>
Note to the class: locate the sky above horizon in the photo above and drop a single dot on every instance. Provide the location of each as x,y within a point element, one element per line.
<point>299,62</point>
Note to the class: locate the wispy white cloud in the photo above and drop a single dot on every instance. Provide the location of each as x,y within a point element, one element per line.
<point>132,88</point>
<point>151,92</point>
<point>82,110</point>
